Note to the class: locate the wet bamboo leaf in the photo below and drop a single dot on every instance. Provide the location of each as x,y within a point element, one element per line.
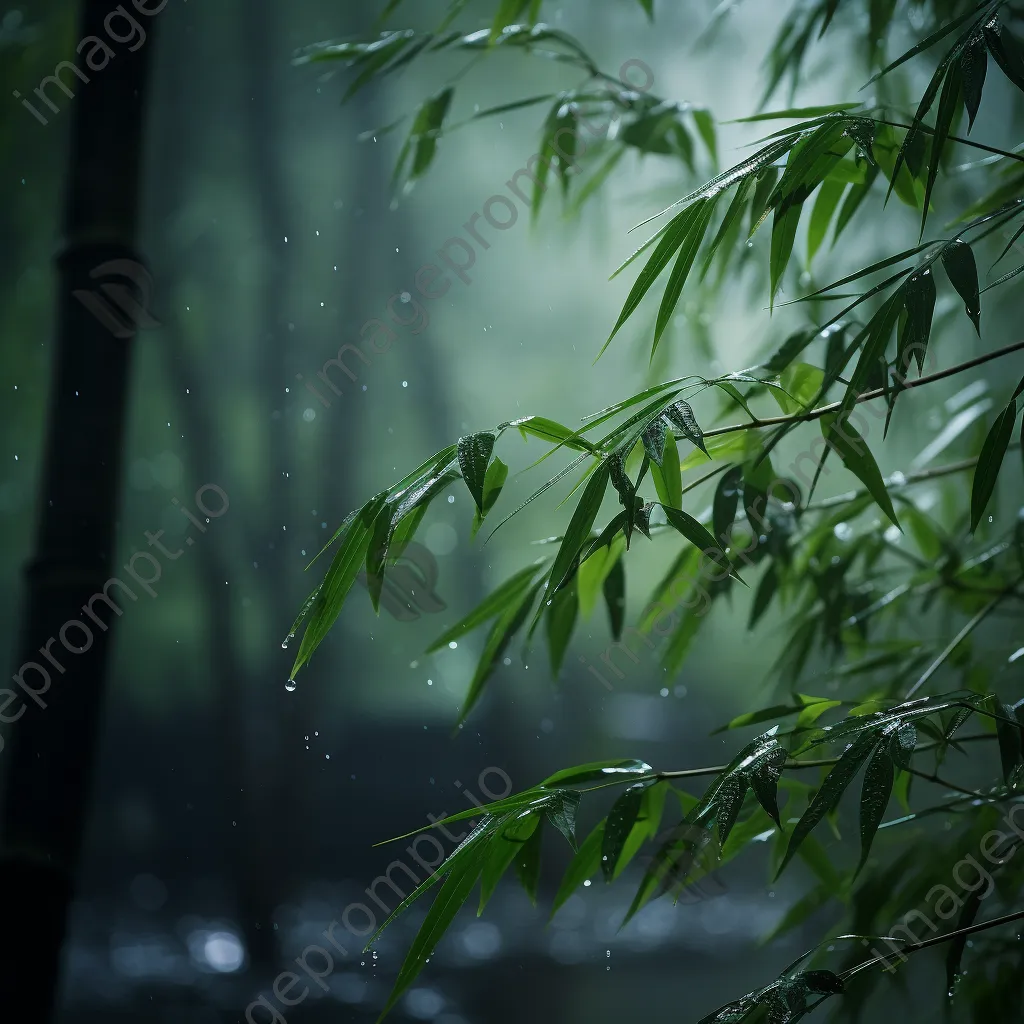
<point>561,621</point>
<point>580,525</point>
<point>787,217</point>
<point>764,780</point>
<point>561,812</point>
<point>494,481</point>
<point>1005,51</point>
<point>955,955</point>
<point>451,896</point>
<point>962,271</point>
<point>726,501</point>
<point>700,217</point>
<point>1010,748</point>
<point>989,462</point>
<point>621,819</point>
<point>474,456</point>
<point>874,798</point>
<point>527,862</point>
<point>504,848</point>
<point>653,439</point>
<point>675,236</point>
<point>668,480</point>
<point>948,100</point>
<point>604,771</point>
<point>615,597</point>
<point>681,416</point>
<point>505,627</point>
<point>585,864</point>
<point>498,601</point>
<point>338,581</point>
<point>830,792</point>
<point>766,590</point>
<point>841,437</point>
<point>829,196</point>
<point>973,66</point>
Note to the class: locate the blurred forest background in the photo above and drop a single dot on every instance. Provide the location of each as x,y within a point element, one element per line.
<point>234,818</point>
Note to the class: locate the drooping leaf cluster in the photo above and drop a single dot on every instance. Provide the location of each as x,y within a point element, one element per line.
<point>881,591</point>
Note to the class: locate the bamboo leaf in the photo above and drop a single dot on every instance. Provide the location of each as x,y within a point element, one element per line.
<point>973,67</point>
<point>874,798</point>
<point>989,462</point>
<point>474,456</point>
<point>962,271</point>
<point>621,819</point>
<point>585,864</point>
<point>830,792</point>
<point>498,601</point>
<point>841,437</point>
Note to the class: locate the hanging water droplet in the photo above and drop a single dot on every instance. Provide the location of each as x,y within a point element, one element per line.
<point>290,685</point>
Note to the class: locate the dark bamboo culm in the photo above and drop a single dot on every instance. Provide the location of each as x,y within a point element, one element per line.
<point>50,753</point>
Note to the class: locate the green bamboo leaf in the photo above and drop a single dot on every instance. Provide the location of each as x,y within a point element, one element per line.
<point>527,862</point>
<point>854,197</point>
<point>497,601</point>
<point>904,741</point>
<point>456,889</point>
<point>668,481</point>
<point>874,798</point>
<point>614,589</point>
<point>729,225</point>
<point>561,621</point>
<point>494,481</point>
<point>550,430</point>
<point>338,581</point>
<point>594,571</point>
<point>880,265</point>
<point>787,218</point>
<point>726,501</point>
<point>696,534</point>
<point>829,196</point>
<point>764,775</point>
<point>1005,52</point>
<point>927,42</point>
<point>948,101</point>
<point>955,955</point>
<point>584,865</point>
<point>504,848</point>
<point>766,590</point>
<point>653,439</point>
<point>973,67</point>
<point>474,456</point>
<point>989,462</point>
<point>841,437</point>
<point>830,792</point>
<point>561,812</point>
<point>580,525</point>
<point>796,113</point>
<point>1009,735</point>
<point>506,625</point>
<point>675,235</point>
<point>423,136</point>
<point>604,771</point>
<point>919,299</point>
<point>681,416</point>
<point>962,271</point>
<point>621,819</point>
<point>701,212</point>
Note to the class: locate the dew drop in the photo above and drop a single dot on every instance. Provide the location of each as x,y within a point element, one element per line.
<point>290,685</point>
